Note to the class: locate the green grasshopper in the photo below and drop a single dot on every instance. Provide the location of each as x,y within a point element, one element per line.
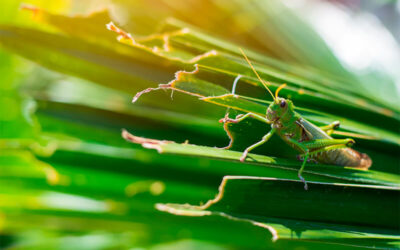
<point>311,141</point>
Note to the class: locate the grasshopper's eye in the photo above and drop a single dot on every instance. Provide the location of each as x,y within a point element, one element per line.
<point>283,103</point>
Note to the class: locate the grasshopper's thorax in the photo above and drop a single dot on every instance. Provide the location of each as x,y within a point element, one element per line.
<point>281,112</point>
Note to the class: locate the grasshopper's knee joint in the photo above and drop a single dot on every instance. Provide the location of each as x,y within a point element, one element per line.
<point>336,124</point>
<point>350,143</point>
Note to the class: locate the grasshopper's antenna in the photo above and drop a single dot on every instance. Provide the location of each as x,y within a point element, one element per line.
<point>255,72</point>
<point>279,89</point>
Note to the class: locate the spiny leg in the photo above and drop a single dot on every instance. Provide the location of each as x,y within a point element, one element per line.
<point>327,148</point>
<point>263,140</point>
<point>320,145</point>
<point>331,127</point>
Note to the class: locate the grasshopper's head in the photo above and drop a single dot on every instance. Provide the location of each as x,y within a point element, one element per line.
<point>278,108</point>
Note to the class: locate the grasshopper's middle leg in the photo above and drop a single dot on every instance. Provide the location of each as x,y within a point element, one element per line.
<point>263,140</point>
<point>331,127</point>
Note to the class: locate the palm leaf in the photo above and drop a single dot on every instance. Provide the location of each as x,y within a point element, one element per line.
<point>68,177</point>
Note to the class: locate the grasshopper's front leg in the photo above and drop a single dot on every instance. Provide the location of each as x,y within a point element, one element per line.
<point>241,117</point>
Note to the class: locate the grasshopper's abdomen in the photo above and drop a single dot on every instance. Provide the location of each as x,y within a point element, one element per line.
<point>344,157</point>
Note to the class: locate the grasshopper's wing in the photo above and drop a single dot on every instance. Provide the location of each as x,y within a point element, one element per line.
<point>313,132</point>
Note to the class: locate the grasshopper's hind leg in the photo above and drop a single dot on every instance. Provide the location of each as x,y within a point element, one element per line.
<point>317,146</point>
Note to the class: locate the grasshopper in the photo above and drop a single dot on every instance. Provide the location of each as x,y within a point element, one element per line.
<point>314,143</point>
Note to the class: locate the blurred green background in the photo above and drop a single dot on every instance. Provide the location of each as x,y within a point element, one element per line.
<point>68,180</point>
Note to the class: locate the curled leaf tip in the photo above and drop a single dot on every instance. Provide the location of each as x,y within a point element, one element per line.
<point>122,34</point>
<point>161,86</point>
<point>179,74</point>
<point>202,56</point>
<point>170,85</point>
<point>145,142</point>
